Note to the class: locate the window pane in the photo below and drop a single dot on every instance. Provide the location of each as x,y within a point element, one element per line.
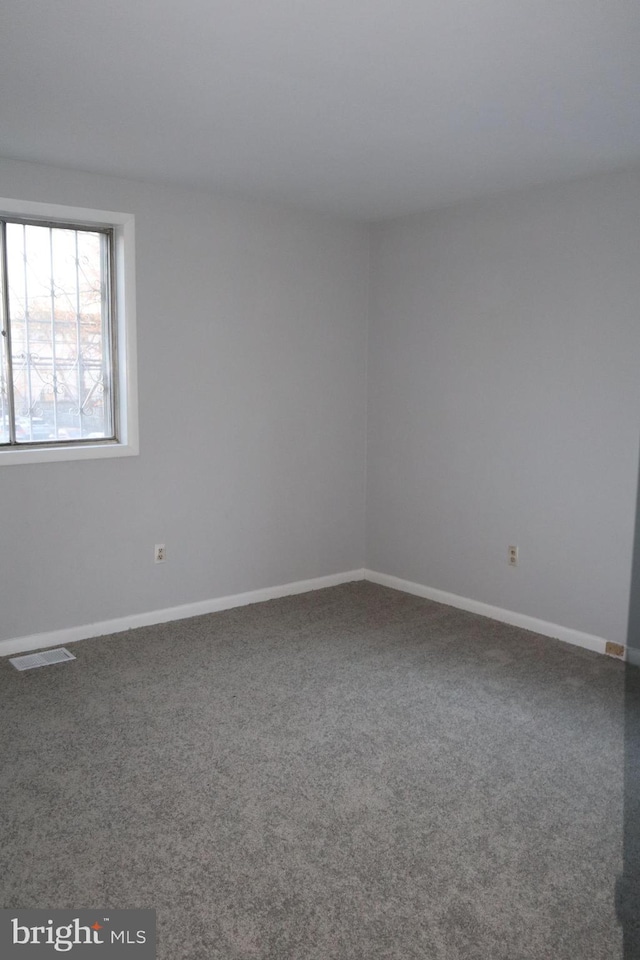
<point>58,305</point>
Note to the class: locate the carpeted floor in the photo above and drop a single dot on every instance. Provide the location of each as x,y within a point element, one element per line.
<point>351,773</point>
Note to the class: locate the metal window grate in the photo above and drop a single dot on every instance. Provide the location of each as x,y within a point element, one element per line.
<point>43,659</point>
<point>57,373</point>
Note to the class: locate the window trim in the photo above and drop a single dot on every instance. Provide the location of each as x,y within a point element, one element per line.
<point>124,323</point>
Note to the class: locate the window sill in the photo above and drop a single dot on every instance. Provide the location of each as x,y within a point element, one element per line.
<point>14,456</point>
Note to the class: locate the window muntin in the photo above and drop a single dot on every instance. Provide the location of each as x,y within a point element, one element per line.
<point>58,382</point>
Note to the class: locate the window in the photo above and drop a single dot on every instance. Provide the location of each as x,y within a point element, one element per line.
<point>67,349</point>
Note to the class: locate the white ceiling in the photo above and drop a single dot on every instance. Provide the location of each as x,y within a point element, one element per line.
<point>367,108</point>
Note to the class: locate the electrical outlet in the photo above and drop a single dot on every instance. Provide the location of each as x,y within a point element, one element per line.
<point>160,554</point>
<point>513,556</point>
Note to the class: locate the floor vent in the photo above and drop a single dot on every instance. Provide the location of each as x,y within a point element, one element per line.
<point>44,659</point>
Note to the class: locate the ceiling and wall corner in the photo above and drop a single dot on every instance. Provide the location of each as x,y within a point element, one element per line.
<point>361,108</point>
<point>262,148</point>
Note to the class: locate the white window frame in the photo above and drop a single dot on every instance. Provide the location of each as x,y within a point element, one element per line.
<point>123,225</point>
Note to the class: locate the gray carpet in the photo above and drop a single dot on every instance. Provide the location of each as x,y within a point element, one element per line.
<point>351,773</point>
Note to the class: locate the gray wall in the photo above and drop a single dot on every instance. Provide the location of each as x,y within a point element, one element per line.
<point>504,400</point>
<point>251,352</point>
<point>504,407</point>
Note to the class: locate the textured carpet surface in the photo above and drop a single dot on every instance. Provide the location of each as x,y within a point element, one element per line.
<point>351,773</point>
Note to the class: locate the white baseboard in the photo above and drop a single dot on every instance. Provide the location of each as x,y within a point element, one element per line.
<point>544,627</point>
<point>56,638</point>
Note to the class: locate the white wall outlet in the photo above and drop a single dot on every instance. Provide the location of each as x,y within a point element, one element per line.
<point>513,556</point>
<point>160,554</point>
